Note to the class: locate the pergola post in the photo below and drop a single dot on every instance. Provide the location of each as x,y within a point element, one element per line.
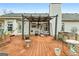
<point>29,27</point>
<point>22,27</point>
<point>49,26</point>
<point>56,26</point>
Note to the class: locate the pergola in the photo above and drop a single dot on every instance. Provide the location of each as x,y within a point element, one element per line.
<point>38,19</point>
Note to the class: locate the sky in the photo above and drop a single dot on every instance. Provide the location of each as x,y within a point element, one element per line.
<point>36,7</point>
<point>28,7</point>
<point>70,8</point>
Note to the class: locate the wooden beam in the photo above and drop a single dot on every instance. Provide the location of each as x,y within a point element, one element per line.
<point>32,18</point>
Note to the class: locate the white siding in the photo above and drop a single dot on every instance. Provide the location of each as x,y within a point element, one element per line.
<point>5,25</point>
<point>14,25</point>
<point>69,25</point>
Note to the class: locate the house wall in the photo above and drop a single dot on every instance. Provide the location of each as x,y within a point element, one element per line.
<point>69,25</point>
<point>2,24</point>
<point>13,21</point>
<point>54,9</point>
<point>15,26</point>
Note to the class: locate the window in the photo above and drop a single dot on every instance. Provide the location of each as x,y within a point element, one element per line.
<point>10,27</point>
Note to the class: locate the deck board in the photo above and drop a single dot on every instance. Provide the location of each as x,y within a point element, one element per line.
<point>40,46</point>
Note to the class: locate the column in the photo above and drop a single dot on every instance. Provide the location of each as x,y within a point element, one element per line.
<point>54,9</point>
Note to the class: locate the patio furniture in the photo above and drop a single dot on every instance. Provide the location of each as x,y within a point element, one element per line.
<point>46,33</point>
<point>72,45</point>
<point>36,33</point>
<point>27,41</point>
<point>57,51</point>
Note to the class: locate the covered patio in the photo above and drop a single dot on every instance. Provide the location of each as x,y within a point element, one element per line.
<point>37,21</point>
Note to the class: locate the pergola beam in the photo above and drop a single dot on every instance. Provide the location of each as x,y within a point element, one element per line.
<point>39,19</point>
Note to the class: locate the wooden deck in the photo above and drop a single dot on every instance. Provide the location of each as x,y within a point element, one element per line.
<point>40,46</point>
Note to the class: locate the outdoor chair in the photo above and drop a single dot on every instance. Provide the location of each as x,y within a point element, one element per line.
<point>36,33</point>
